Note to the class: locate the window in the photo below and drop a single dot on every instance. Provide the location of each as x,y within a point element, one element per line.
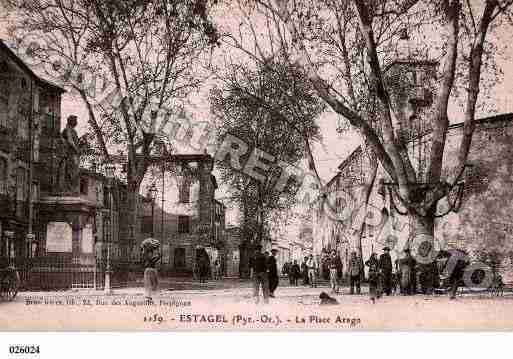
<point>98,194</point>
<point>184,192</point>
<point>122,196</point>
<point>179,257</point>
<point>146,224</point>
<point>35,191</point>
<point>106,229</point>
<point>84,186</point>
<point>183,224</point>
<point>370,230</point>
<point>3,176</point>
<point>23,119</point>
<point>106,197</point>
<point>20,184</point>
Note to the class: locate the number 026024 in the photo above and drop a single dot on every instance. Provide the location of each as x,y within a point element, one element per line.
<point>24,349</point>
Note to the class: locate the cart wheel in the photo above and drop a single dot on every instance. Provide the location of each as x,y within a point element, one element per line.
<point>10,286</point>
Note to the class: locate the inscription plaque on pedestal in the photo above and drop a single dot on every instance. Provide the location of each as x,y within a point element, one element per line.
<point>58,237</point>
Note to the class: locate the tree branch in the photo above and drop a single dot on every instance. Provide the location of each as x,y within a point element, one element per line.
<point>440,120</point>
<point>476,59</point>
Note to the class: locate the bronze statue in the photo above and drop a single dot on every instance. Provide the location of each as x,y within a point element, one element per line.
<point>69,174</point>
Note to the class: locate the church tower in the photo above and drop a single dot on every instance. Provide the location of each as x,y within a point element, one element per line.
<point>411,80</point>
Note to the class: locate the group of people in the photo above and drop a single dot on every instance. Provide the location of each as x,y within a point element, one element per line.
<point>409,275</point>
<point>381,276</point>
<point>204,269</point>
<point>307,271</point>
<point>383,280</point>
<point>264,272</point>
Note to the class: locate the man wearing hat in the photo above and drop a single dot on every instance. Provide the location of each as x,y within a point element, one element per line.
<point>385,267</point>
<point>260,275</point>
<point>333,265</point>
<point>273,273</point>
<point>312,268</point>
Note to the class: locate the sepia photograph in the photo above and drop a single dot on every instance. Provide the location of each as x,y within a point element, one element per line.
<point>255,165</point>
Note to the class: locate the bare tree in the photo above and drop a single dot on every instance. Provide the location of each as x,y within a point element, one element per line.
<point>271,109</point>
<point>132,63</point>
<point>377,28</point>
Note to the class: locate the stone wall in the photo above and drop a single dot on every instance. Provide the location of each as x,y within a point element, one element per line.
<point>483,226</point>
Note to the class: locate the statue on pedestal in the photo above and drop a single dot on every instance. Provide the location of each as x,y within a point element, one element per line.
<point>69,163</point>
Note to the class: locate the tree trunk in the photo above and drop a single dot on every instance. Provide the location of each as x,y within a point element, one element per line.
<point>133,206</point>
<point>421,241</point>
<point>260,216</point>
<point>421,225</point>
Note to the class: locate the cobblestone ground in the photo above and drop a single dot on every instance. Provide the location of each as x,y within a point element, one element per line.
<point>180,305</point>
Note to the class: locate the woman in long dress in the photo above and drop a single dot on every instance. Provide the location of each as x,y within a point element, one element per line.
<point>151,260</point>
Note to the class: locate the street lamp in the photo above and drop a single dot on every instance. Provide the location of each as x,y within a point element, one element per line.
<point>153,195</point>
<point>109,172</point>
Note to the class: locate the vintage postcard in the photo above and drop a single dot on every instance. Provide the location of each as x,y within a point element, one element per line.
<point>256,165</point>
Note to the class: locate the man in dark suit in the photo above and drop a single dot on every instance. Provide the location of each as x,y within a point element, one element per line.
<point>295,272</point>
<point>260,275</point>
<point>273,273</point>
<point>304,271</point>
<point>385,267</point>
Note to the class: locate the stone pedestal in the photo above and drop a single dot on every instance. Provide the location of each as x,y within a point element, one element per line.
<point>68,226</point>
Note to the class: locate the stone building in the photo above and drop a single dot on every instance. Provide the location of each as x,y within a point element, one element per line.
<point>192,221</point>
<point>29,124</point>
<point>480,222</point>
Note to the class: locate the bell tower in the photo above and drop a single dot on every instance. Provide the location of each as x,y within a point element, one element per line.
<point>411,80</point>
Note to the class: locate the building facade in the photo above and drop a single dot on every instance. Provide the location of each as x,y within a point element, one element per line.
<point>192,221</point>
<point>29,125</point>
